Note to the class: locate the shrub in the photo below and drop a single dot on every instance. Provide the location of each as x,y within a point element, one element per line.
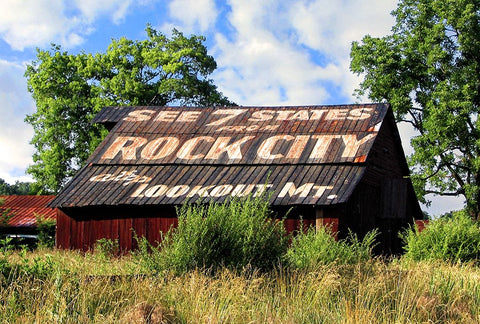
<point>107,248</point>
<point>318,246</point>
<point>46,231</point>
<point>455,238</point>
<point>233,234</point>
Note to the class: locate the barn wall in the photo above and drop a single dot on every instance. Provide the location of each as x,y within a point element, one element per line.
<point>384,198</point>
<point>81,228</point>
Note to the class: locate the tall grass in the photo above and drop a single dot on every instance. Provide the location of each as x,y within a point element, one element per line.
<point>372,291</point>
<point>317,246</point>
<point>453,239</point>
<point>236,234</point>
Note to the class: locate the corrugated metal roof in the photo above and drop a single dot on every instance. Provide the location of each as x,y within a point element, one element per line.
<point>25,208</point>
<point>164,155</point>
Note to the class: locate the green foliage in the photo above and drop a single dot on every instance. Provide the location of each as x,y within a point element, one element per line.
<point>455,238</point>
<point>428,68</point>
<point>5,214</point>
<point>18,188</point>
<point>46,231</point>
<point>317,247</point>
<point>107,248</point>
<point>69,90</point>
<point>234,234</point>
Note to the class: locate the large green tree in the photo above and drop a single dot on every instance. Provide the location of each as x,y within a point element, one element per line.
<point>70,89</point>
<point>428,68</point>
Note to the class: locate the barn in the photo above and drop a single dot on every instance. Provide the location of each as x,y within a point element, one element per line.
<point>19,214</point>
<point>341,165</point>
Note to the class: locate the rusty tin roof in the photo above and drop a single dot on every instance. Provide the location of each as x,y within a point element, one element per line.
<point>164,155</point>
<point>25,209</point>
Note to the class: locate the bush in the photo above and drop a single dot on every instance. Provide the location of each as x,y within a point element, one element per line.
<point>233,234</point>
<point>455,238</point>
<point>46,231</point>
<point>318,246</point>
<point>107,248</point>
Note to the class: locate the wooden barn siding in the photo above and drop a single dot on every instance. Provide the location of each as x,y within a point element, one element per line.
<point>384,199</point>
<point>80,229</point>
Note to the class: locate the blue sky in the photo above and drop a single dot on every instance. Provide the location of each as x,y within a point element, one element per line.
<point>269,52</point>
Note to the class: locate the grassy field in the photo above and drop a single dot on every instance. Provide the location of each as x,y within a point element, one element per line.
<point>52,286</point>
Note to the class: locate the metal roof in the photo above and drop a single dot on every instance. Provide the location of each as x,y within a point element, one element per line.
<point>165,155</point>
<point>25,209</point>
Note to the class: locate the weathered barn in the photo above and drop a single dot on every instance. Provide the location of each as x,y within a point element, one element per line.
<point>20,213</point>
<point>342,165</point>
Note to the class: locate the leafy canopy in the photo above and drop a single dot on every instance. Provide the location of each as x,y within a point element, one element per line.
<point>18,188</point>
<point>428,68</point>
<point>69,90</point>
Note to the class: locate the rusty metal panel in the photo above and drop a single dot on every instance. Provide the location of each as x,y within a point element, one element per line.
<point>165,155</point>
<point>174,184</point>
<point>25,209</point>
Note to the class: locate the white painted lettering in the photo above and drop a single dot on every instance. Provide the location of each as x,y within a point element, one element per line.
<point>222,146</point>
<point>337,114</point>
<point>261,115</point>
<point>290,189</point>
<point>129,152</point>
<point>221,190</point>
<point>139,115</point>
<point>242,190</point>
<point>177,191</point>
<point>319,151</point>
<point>265,149</point>
<point>298,146</point>
<point>231,113</point>
<point>188,116</point>
<point>360,113</point>
<point>160,148</point>
<point>166,116</point>
<point>155,191</point>
<point>186,151</point>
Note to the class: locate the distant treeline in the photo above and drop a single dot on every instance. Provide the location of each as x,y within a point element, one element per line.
<point>18,188</point>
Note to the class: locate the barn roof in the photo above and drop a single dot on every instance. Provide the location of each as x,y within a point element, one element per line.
<point>164,155</point>
<point>25,209</point>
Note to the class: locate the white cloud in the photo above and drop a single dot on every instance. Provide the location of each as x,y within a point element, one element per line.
<point>269,59</point>
<point>34,22</point>
<point>92,9</point>
<point>14,133</point>
<point>330,27</point>
<point>194,15</point>
<point>30,23</point>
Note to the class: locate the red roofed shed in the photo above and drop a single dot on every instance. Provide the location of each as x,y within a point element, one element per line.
<point>24,210</point>
<point>342,165</point>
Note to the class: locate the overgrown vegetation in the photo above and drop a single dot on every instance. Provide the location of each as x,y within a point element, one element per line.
<point>50,286</point>
<point>454,239</point>
<point>315,248</point>
<point>216,267</point>
<point>46,231</point>
<point>234,234</point>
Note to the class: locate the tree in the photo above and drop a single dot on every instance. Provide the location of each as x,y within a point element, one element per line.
<point>69,90</point>
<point>18,188</point>
<point>428,68</point>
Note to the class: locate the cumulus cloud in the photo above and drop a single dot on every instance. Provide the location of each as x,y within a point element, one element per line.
<point>92,9</point>
<point>16,103</point>
<point>194,15</point>
<point>35,22</point>
<point>272,56</point>
<point>30,23</point>
<point>330,27</point>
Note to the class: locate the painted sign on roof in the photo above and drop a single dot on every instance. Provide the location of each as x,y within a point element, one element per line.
<point>164,155</point>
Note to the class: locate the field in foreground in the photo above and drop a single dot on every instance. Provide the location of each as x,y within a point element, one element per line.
<point>51,286</point>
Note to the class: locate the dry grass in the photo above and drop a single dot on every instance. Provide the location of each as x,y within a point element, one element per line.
<point>92,289</point>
